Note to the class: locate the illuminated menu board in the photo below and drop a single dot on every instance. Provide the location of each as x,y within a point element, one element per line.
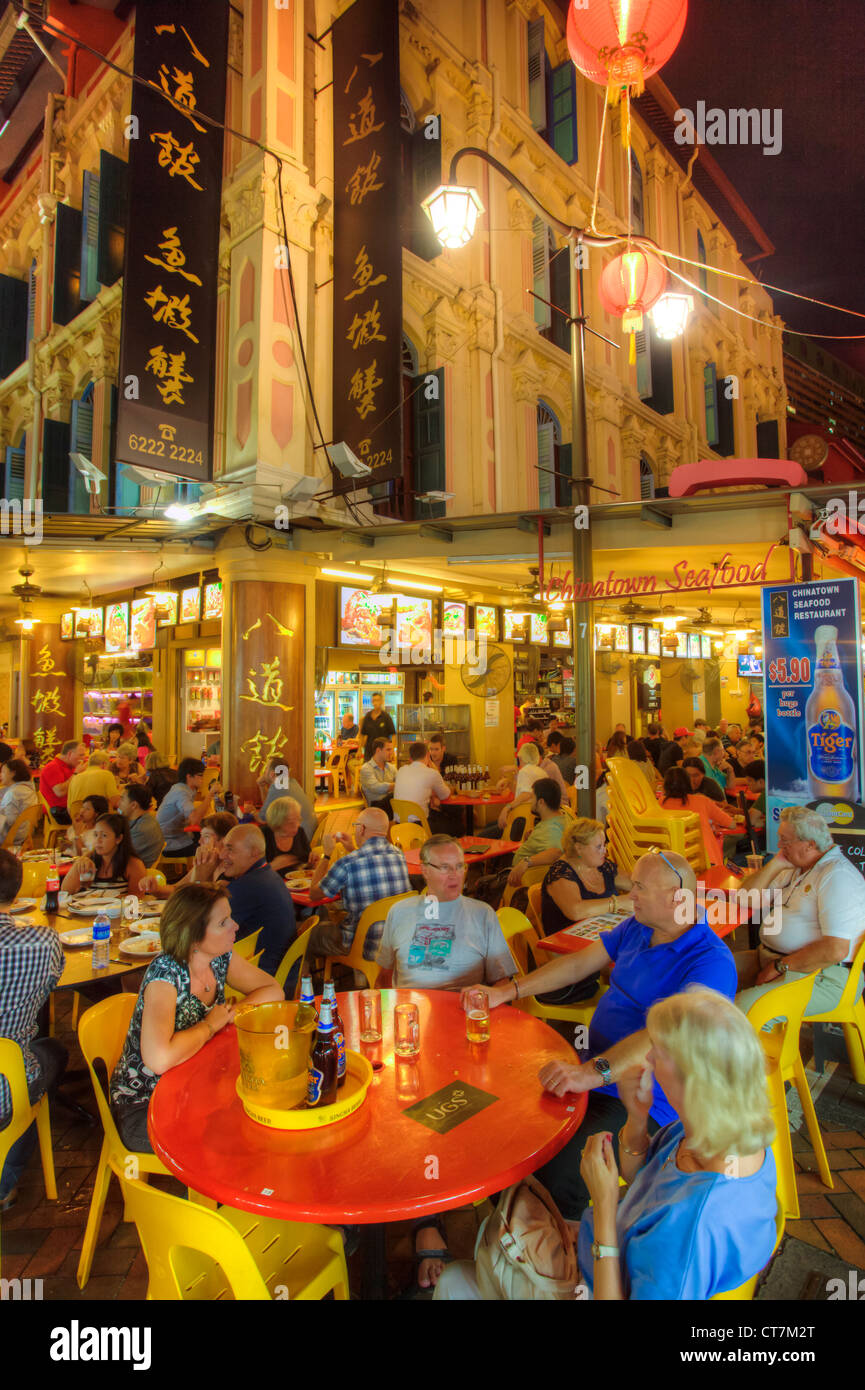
<point>514,625</point>
<point>454,619</point>
<point>621,638</point>
<point>638,639</point>
<point>486,622</point>
<point>653,641</point>
<point>538,633</point>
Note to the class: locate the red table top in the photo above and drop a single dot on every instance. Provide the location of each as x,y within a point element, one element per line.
<point>487,799</point>
<point>496,848</point>
<point>374,1165</point>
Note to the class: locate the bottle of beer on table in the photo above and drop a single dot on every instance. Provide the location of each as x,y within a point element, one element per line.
<point>52,889</point>
<point>329,997</point>
<point>306,1013</point>
<point>322,1076</point>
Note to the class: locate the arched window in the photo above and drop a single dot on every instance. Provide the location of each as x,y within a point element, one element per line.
<point>636,195</point>
<point>554,459</point>
<point>647,478</point>
<point>702,273</point>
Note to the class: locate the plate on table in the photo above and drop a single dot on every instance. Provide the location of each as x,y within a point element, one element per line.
<point>147,943</point>
<point>86,906</point>
<point>22,905</point>
<point>151,907</point>
<point>144,924</point>
<point>77,936</point>
<point>298,883</point>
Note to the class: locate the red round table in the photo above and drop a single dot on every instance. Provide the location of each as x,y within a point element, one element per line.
<point>470,803</point>
<point>376,1165</point>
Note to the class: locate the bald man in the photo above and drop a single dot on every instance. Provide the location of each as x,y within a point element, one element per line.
<point>259,898</point>
<point>662,948</point>
<point>376,869</point>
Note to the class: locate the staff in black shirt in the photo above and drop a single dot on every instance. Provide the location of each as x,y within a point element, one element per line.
<point>377,723</point>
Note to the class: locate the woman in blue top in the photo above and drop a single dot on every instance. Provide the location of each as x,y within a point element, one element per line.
<point>181,1003</point>
<point>698,1215</point>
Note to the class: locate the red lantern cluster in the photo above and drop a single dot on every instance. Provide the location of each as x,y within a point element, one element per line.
<point>620,43</point>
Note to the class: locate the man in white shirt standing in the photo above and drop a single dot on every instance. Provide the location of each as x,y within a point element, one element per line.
<point>820,919</point>
<point>419,782</point>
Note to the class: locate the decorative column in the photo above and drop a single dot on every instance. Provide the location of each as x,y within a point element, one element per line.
<point>49,704</point>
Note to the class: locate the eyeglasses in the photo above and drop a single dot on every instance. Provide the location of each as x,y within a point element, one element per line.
<point>445,868</point>
<point>655,850</point>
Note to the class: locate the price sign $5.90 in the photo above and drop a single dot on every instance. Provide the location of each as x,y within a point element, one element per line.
<point>796,671</point>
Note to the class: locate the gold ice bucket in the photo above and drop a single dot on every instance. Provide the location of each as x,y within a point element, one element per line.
<point>273,1054</point>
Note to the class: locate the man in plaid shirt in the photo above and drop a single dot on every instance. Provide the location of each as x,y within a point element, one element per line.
<point>376,869</point>
<point>31,963</point>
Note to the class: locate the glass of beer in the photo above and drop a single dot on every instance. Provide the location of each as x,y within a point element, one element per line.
<point>370,1016</point>
<point>477,1015</point>
<point>406,1030</point>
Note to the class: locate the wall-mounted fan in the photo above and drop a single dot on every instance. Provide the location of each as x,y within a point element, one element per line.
<point>485,685</point>
<point>609,663</point>
<point>691,680</point>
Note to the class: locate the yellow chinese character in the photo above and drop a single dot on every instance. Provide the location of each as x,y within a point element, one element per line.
<point>47,701</point>
<point>45,663</point>
<point>171,310</point>
<point>370,59</point>
<point>171,29</point>
<point>283,631</point>
<point>271,688</point>
<point>363,274</point>
<point>363,180</point>
<point>363,387</point>
<point>46,743</point>
<point>168,368</point>
<point>183,92</point>
<point>360,122</point>
<point>175,259</point>
<point>244,636</point>
<point>364,328</point>
<point>176,158</point>
<point>261,748</point>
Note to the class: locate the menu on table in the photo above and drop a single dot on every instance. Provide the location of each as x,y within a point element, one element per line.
<point>591,928</point>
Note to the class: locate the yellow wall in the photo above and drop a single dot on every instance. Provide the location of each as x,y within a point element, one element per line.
<point>677,706</point>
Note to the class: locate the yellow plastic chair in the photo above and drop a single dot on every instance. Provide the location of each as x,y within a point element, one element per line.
<point>29,817</point>
<point>406,836</point>
<point>788,1002</point>
<point>746,1291</point>
<point>850,1013</point>
<point>520,944</point>
<point>246,947</point>
<point>296,952</point>
<point>198,1254</point>
<point>102,1032</point>
<point>530,878</point>
<point>534,908</point>
<point>636,822</point>
<point>23,1115</point>
<point>376,912</point>
<point>404,809</point>
<point>52,831</point>
<point>522,812</point>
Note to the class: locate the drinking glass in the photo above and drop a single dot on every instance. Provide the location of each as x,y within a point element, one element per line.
<point>477,1016</point>
<point>370,1016</point>
<point>86,874</point>
<point>406,1030</point>
<point>754,862</point>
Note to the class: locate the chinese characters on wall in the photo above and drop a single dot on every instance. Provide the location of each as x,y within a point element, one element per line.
<point>268,683</point>
<point>49,700</point>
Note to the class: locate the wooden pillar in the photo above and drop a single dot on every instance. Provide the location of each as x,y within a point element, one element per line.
<point>49,705</point>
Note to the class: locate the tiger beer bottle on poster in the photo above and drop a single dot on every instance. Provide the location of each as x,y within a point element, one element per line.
<point>322,1076</point>
<point>830,723</point>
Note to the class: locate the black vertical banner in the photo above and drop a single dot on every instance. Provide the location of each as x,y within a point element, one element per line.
<point>367,255</point>
<point>170,271</point>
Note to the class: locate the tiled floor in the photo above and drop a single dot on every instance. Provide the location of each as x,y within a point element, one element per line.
<point>42,1239</point>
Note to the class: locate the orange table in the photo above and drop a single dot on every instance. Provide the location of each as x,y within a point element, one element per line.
<point>374,1166</point>
<point>560,943</point>
<point>496,848</point>
<point>470,802</point>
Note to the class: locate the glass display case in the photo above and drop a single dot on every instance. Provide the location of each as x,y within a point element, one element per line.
<point>418,722</point>
<point>117,690</point>
<point>200,701</point>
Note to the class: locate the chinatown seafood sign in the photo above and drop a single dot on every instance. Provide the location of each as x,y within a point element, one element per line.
<point>726,575</point>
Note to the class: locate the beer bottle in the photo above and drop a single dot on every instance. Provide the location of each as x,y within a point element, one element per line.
<point>329,997</point>
<point>306,1013</point>
<point>322,1076</point>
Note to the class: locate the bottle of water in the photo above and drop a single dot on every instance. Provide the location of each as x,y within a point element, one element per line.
<point>101,941</point>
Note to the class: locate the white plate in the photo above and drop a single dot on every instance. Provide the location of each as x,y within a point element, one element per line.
<point>300,884</point>
<point>151,907</point>
<point>22,905</point>
<point>85,909</point>
<point>142,924</point>
<point>142,945</point>
<point>77,936</point>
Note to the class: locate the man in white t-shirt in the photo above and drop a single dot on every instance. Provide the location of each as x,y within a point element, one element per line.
<point>529,771</point>
<point>820,920</point>
<point>418,782</point>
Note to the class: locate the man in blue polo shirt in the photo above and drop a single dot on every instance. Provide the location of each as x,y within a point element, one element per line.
<point>259,898</point>
<point>665,946</point>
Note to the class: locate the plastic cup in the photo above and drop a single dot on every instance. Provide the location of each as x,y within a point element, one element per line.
<point>754,862</point>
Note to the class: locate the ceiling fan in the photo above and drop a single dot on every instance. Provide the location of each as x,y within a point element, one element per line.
<point>27,591</point>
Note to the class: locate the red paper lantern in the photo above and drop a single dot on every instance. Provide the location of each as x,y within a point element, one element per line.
<point>630,284</point>
<point>620,43</point>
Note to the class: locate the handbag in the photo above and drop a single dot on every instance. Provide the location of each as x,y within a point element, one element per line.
<point>525,1249</point>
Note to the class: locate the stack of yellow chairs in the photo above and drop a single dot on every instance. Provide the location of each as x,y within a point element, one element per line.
<point>636,822</point>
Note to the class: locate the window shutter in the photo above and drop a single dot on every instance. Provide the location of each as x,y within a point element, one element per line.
<point>710,392</point>
<point>537,75</point>
<point>726,427</point>
<point>768,444</point>
<point>111,230</point>
<point>644,364</point>
<point>67,263</point>
<point>13,323</point>
<point>541,272</point>
<point>647,479</point>
<point>564,493</point>
<point>80,442</point>
<point>636,195</point>
<point>15,471</point>
<point>90,218</point>
<point>55,466</point>
<point>661,397</point>
<point>560,284</point>
<point>426,168</point>
<point>702,273</point>
<point>31,304</point>
<point>429,445</point>
<point>125,495</point>
<point>563,107</point>
<point>546,459</point>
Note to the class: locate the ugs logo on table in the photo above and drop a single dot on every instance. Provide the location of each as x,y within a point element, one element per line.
<point>435,648</point>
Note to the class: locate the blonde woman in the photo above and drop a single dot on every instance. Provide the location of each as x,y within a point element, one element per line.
<point>126,764</point>
<point>529,771</point>
<point>698,1215</point>
<point>584,881</point>
<point>181,1003</point>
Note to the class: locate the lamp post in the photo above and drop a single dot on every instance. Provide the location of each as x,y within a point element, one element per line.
<point>454,213</point>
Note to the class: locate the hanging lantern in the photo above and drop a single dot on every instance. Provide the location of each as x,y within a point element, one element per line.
<point>621,43</point>
<point>629,285</point>
<point>670,314</point>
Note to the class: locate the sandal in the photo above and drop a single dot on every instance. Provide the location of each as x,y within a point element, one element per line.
<point>417,1290</point>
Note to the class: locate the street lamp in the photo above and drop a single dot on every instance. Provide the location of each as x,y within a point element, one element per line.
<point>455,210</point>
<point>670,314</point>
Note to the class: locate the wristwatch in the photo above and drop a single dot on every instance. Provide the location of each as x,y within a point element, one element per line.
<point>599,1252</point>
<point>602,1066</point>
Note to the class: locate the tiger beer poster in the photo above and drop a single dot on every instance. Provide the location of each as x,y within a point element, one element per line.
<point>812,680</point>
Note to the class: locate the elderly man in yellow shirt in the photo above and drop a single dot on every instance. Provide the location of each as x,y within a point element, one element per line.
<point>94,780</point>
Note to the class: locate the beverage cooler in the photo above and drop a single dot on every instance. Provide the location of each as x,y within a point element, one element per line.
<point>346,703</point>
<point>392,686</point>
<point>324,723</point>
<point>200,701</point>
